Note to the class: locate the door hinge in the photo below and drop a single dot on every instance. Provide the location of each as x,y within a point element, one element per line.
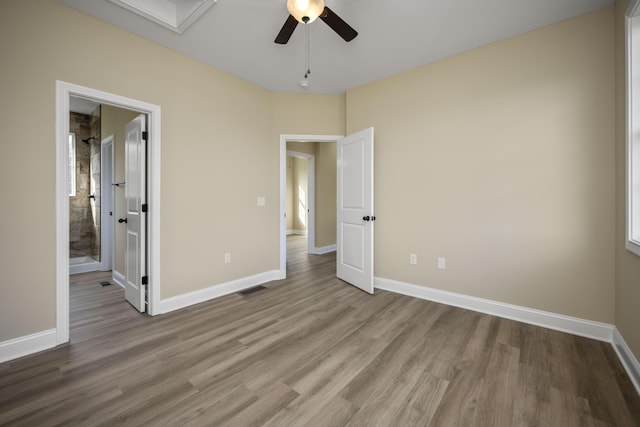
<point>145,207</point>
<point>145,280</point>
<point>145,135</point>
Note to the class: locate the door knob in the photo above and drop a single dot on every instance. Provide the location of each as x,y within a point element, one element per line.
<point>365,218</point>
<point>121,220</point>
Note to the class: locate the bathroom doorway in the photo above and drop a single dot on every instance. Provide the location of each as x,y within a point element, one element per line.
<point>148,278</point>
<point>96,171</point>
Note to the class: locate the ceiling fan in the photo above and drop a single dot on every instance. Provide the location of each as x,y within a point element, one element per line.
<point>305,12</point>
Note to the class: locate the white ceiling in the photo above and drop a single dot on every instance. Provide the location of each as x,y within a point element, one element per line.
<point>82,105</point>
<point>394,35</point>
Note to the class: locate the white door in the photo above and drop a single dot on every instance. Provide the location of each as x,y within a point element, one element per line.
<point>135,198</point>
<point>355,216</point>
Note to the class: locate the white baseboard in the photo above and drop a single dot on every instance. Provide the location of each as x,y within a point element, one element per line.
<point>324,250</point>
<point>118,278</point>
<point>297,232</point>
<point>84,268</point>
<point>202,295</point>
<point>627,358</point>
<point>33,343</point>
<point>28,344</point>
<point>573,325</point>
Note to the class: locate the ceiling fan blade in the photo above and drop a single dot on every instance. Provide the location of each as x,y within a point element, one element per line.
<point>336,23</point>
<point>287,30</point>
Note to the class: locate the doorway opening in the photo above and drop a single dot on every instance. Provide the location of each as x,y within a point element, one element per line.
<point>301,200</point>
<point>96,178</point>
<point>300,208</point>
<point>64,93</point>
<point>354,206</point>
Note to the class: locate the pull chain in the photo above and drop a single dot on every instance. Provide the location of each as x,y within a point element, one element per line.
<point>307,48</point>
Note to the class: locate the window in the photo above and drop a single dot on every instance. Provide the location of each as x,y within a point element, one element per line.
<point>72,164</point>
<point>633,126</point>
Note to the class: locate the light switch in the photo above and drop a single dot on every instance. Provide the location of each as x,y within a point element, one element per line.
<point>261,201</point>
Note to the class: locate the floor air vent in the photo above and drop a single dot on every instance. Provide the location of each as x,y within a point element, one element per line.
<point>105,283</point>
<point>252,290</point>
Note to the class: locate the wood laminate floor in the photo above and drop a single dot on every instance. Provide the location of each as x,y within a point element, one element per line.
<point>311,351</point>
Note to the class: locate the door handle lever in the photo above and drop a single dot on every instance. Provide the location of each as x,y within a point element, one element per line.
<point>121,220</point>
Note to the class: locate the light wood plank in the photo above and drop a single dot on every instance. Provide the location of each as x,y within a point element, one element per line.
<point>311,350</point>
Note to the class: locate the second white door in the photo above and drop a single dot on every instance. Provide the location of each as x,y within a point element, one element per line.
<point>135,200</point>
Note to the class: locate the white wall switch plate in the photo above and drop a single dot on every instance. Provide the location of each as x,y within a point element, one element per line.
<point>442,263</point>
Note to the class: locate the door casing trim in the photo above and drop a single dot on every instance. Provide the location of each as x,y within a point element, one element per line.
<point>64,91</point>
<point>106,233</point>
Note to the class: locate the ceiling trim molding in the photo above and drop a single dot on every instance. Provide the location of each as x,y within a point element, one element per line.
<point>175,15</point>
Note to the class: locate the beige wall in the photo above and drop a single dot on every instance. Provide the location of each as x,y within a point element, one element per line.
<point>203,216</point>
<point>325,202</point>
<point>50,42</point>
<point>302,147</point>
<point>501,159</point>
<point>627,264</point>
<point>307,114</point>
<point>113,121</point>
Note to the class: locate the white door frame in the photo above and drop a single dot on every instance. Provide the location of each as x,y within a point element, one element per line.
<point>311,197</point>
<point>284,138</point>
<point>106,203</point>
<point>64,91</point>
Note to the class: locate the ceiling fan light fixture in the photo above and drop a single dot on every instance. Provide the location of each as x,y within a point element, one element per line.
<point>300,9</point>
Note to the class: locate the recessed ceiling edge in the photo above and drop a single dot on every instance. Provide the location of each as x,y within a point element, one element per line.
<point>167,13</point>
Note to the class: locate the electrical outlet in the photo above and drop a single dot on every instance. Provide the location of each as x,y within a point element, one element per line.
<point>442,263</point>
<point>413,259</point>
<point>227,258</point>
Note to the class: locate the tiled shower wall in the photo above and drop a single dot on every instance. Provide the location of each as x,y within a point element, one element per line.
<point>84,212</point>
